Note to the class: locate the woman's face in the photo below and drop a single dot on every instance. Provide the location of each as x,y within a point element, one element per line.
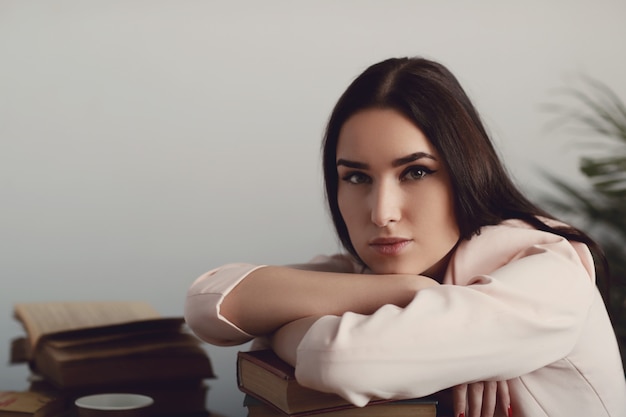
<point>395,195</point>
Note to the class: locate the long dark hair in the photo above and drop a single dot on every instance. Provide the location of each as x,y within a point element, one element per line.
<point>429,95</point>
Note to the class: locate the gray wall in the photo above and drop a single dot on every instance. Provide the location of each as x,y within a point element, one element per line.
<point>144,142</point>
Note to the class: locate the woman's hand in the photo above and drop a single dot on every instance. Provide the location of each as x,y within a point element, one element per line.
<point>481,398</point>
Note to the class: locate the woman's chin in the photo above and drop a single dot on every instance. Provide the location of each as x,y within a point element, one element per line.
<point>391,268</point>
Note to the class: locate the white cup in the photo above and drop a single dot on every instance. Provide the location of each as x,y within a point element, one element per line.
<point>114,405</point>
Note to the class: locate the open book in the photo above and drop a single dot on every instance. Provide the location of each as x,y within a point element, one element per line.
<point>50,317</point>
<point>81,344</point>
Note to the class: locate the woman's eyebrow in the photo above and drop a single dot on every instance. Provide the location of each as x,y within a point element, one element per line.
<point>396,162</point>
<point>411,158</point>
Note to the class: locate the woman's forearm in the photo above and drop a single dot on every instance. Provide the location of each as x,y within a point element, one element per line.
<point>273,296</point>
<point>285,340</point>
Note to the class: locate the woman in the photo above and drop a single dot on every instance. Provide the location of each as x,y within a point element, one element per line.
<point>451,275</point>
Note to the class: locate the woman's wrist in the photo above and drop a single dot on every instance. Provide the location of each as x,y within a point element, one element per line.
<point>285,341</point>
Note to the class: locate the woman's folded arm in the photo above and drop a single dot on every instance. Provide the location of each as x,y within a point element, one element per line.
<point>521,317</point>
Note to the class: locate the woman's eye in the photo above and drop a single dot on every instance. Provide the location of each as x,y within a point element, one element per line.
<point>416,173</point>
<point>355,178</point>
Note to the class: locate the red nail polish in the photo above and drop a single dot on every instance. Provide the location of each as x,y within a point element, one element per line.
<point>509,411</point>
<point>462,415</point>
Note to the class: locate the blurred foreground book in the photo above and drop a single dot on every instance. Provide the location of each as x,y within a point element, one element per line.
<point>81,348</point>
<point>272,391</point>
<point>23,404</point>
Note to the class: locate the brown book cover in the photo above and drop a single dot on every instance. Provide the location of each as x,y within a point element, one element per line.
<point>263,375</point>
<point>27,403</point>
<point>146,350</point>
<point>419,407</point>
<point>19,352</point>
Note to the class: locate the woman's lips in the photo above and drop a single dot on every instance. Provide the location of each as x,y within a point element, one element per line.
<point>389,246</point>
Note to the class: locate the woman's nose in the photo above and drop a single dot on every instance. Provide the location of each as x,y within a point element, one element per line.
<point>385,205</point>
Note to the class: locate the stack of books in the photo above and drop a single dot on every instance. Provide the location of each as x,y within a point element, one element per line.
<point>272,391</point>
<point>82,348</point>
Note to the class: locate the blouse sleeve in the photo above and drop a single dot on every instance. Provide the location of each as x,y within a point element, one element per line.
<point>206,294</point>
<point>518,303</point>
<point>204,298</point>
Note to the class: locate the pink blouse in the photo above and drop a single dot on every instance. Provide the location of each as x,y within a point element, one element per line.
<point>517,304</point>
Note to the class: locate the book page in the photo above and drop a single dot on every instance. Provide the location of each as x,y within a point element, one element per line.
<point>48,317</point>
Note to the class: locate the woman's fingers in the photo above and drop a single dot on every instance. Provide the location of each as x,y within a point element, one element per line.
<point>475,393</point>
<point>489,399</point>
<point>504,399</point>
<point>459,400</point>
<point>477,399</point>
